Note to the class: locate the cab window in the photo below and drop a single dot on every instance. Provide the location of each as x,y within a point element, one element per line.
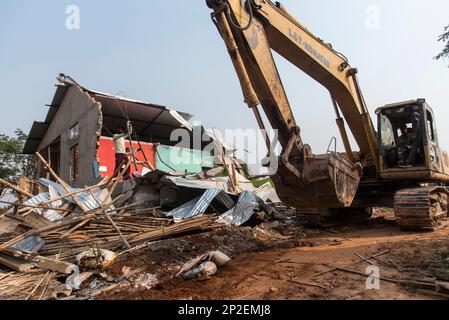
<point>430,126</point>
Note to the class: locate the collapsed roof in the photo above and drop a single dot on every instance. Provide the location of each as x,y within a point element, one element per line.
<point>151,122</point>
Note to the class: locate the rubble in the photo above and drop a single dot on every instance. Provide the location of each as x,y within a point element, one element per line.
<point>198,206</point>
<point>60,243</point>
<point>145,280</point>
<point>94,259</point>
<point>242,212</point>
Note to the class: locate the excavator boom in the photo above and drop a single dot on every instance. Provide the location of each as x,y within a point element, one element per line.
<point>250,30</point>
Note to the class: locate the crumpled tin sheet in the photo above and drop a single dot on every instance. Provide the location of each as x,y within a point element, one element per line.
<point>195,207</point>
<point>243,211</point>
<point>267,192</point>
<point>215,183</point>
<point>226,200</point>
<point>85,198</point>
<point>51,215</point>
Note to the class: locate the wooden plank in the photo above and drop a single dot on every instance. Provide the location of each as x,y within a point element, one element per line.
<point>44,230</point>
<point>16,189</point>
<point>55,265</point>
<point>79,225</point>
<point>15,263</point>
<point>60,181</point>
<point>70,194</point>
<point>37,285</point>
<point>113,223</point>
<point>44,262</point>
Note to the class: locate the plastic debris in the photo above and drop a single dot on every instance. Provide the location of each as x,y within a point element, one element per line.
<point>193,268</point>
<point>30,244</point>
<point>75,281</point>
<point>219,258</point>
<point>206,269</point>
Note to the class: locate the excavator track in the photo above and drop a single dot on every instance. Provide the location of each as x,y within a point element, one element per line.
<point>323,217</point>
<point>421,208</point>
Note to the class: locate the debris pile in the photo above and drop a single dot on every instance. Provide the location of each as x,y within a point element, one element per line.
<point>53,242</point>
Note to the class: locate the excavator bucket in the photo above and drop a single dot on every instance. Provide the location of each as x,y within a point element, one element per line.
<point>328,181</point>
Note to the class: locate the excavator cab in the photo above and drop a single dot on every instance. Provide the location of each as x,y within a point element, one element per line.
<point>408,142</point>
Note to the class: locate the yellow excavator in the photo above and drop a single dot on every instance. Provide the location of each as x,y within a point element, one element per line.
<point>399,165</point>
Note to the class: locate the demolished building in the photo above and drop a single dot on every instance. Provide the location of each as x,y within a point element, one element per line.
<point>76,136</point>
<point>80,218</point>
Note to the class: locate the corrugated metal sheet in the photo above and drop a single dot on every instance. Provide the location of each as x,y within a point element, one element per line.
<point>194,208</point>
<point>61,91</point>
<point>267,192</point>
<point>211,183</point>
<point>152,122</point>
<point>51,113</point>
<point>243,211</point>
<point>51,215</point>
<point>226,199</point>
<point>214,183</point>
<point>7,196</point>
<point>35,136</point>
<point>85,198</point>
<point>31,146</point>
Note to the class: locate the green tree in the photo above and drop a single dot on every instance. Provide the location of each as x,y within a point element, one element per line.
<point>14,164</point>
<point>445,39</point>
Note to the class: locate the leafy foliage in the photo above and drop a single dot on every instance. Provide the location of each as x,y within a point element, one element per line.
<point>258,183</point>
<point>444,38</point>
<point>14,164</point>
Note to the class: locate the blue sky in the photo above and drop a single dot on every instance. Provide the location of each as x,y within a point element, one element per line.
<point>169,52</point>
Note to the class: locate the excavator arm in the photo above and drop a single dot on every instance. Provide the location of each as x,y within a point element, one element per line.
<point>250,30</point>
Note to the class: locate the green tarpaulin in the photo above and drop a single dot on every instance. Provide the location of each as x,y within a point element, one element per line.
<point>179,159</point>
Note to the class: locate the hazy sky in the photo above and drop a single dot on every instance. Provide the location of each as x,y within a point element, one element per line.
<point>169,52</point>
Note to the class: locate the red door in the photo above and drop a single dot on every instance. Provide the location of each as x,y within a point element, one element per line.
<point>106,156</point>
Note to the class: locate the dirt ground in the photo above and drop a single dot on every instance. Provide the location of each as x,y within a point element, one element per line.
<point>286,266</point>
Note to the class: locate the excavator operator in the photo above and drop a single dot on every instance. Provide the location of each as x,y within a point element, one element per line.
<point>404,137</point>
<point>416,137</point>
<point>411,140</point>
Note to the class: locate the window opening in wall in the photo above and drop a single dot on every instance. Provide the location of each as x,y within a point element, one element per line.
<point>74,163</point>
<point>74,132</point>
